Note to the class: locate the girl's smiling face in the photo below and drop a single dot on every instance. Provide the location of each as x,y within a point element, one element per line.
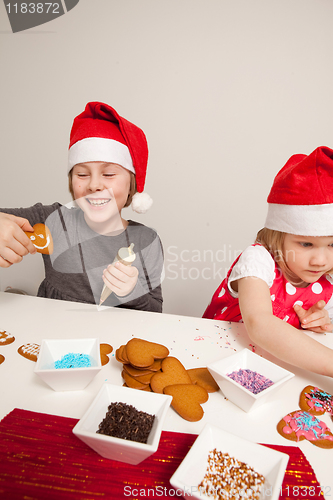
<point>308,257</point>
<point>101,191</point>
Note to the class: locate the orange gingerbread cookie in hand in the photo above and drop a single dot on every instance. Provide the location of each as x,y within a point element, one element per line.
<point>41,239</point>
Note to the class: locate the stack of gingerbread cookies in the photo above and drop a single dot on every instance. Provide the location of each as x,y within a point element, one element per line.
<point>147,366</point>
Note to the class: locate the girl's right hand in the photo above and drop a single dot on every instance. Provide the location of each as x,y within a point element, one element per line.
<point>14,243</point>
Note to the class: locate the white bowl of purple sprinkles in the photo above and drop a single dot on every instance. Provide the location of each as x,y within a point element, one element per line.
<point>68,364</point>
<point>248,380</point>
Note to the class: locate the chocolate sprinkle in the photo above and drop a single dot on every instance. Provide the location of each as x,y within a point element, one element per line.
<point>126,422</point>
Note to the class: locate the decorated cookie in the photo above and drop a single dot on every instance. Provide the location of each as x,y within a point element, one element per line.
<point>105,350</point>
<point>316,401</point>
<point>6,338</point>
<point>173,372</point>
<point>299,425</point>
<point>2,359</point>
<point>187,400</point>
<point>203,377</point>
<point>41,239</point>
<point>142,354</point>
<point>29,351</point>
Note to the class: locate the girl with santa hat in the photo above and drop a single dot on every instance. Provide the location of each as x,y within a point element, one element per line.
<point>107,164</point>
<point>284,282</point>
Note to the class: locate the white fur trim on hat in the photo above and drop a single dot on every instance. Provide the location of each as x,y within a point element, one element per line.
<point>100,149</point>
<point>303,220</point>
<point>141,202</point>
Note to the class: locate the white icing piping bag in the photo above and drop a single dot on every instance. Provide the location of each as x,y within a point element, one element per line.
<point>125,256</point>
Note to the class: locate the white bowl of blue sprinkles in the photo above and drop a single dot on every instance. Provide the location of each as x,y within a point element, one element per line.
<point>248,380</point>
<point>68,364</point>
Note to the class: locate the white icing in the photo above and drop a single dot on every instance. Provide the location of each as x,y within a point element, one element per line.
<point>47,242</point>
<point>4,337</point>
<point>31,349</point>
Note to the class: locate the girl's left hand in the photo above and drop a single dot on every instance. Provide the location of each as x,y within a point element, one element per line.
<point>315,319</point>
<point>120,279</point>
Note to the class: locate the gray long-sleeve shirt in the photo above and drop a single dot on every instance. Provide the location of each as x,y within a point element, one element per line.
<point>74,270</point>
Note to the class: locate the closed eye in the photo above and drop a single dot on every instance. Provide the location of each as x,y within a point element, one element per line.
<point>305,244</point>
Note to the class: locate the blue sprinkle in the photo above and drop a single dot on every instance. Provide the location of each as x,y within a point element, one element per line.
<point>73,360</point>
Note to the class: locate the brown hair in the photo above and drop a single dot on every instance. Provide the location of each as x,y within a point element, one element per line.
<point>131,193</point>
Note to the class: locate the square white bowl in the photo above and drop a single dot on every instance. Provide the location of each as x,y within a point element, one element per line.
<point>68,379</point>
<point>270,463</point>
<point>235,392</point>
<point>123,450</point>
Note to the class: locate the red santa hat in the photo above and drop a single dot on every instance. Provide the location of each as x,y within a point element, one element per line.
<point>301,199</point>
<point>101,134</point>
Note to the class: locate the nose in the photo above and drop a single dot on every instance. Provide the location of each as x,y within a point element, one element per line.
<point>96,183</point>
<point>318,257</point>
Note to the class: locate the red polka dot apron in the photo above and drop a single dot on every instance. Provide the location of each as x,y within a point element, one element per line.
<point>284,295</point>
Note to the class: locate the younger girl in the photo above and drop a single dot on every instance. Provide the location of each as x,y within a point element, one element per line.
<point>284,282</point>
<point>107,165</point>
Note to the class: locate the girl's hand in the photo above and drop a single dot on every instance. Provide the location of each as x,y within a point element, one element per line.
<point>315,319</point>
<point>14,244</point>
<point>120,279</point>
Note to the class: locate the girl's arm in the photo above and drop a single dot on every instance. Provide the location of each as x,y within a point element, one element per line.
<point>276,336</point>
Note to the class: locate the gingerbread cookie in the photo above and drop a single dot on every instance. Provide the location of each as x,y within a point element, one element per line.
<point>203,377</point>
<point>133,382</point>
<point>121,354</point>
<point>105,349</point>
<point>29,351</point>
<point>6,338</point>
<point>142,354</point>
<point>187,400</point>
<point>299,425</point>
<point>2,359</point>
<point>173,372</point>
<point>41,238</point>
<point>316,401</point>
<point>135,372</point>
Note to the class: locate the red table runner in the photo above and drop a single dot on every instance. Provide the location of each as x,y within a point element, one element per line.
<point>42,459</point>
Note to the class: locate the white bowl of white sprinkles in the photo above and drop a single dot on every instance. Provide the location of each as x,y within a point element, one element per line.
<point>212,466</point>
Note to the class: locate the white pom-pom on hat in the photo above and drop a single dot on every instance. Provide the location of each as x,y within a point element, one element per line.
<point>141,203</point>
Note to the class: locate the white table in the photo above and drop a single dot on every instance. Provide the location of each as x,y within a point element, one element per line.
<point>194,341</point>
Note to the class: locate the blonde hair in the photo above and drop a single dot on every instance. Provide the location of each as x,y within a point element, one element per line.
<point>273,241</point>
<point>131,193</point>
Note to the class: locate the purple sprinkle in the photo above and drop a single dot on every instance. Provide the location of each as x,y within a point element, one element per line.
<point>252,381</point>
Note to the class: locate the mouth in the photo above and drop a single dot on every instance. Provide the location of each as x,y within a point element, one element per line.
<point>98,202</point>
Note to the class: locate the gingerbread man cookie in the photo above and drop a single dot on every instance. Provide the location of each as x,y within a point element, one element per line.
<point>41,239</point>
